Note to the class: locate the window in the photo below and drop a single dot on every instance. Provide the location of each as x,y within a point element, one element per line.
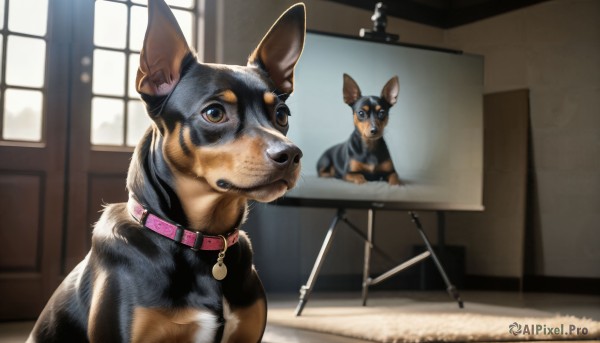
<point>23,41</point>
<point>118,116</point>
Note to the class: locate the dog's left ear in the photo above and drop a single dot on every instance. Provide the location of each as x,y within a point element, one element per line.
<point>163,52</point>
<point>390,90</point>
<point>281,48</point>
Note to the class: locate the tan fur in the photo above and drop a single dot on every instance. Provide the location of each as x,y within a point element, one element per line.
<point>161,325</point>
<point>207,210</point>
<point>394,180</point>
<point>388,167</point>
<point>363,126</point>
<point>96,304</point>
<point>269,98</point>
<point>356,166</point>
<point>385,166</point>
<point>242,162</point>
<point>356,178</point>
<point>228,96</point>
<point>173,149</point>
<point>250,321</point>
<point>327,173</point>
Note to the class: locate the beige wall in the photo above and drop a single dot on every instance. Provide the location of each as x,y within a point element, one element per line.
<point>551,48</point>
<point>554,50</point>
<point>247,20</point>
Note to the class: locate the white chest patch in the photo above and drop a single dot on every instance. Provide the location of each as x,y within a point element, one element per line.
<point>231,322</point>
<point>208,327</point>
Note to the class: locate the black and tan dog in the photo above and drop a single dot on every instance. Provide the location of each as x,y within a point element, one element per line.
<point>364,156</point>
<point>217,140</point>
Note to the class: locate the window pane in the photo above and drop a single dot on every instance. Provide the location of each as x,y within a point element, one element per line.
<point>28,16</point>
<point>181,3</point>
<point>107,121</point>
<point>139,21</point>
<point>178,3</point>
<point>109,72</point>
<point>25,61</point>
<point>185,20</point>
<point>23,115</point>
<point>134,61</point>
<point>137,122</point>
<point>1,14</point>
<point>110,24</point>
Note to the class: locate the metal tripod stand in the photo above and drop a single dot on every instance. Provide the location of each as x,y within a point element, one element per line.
<point>306,289</point>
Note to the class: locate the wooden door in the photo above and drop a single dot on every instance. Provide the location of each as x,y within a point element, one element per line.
<point>69,118</point>
<point>33,135</point>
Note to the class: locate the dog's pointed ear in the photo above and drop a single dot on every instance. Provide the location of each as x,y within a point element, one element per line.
<point>163,52</point>
<point>281,47</point>
<point>390,90</point>
<point>351,90</point>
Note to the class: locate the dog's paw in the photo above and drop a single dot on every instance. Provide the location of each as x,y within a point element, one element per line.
<point>325,174</point>
<point>355,178</point>
<point>393,180</point>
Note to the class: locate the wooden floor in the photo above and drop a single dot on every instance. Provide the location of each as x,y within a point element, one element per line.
<point>565,304</point>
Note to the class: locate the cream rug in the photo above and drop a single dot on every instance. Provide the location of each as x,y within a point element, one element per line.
<point>401,320</point>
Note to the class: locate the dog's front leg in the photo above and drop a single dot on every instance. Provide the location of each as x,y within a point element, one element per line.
<point>355,170</point>
<point>245,323</point>
<point>106,321</point>
<point>393,179</point>
<point>356,178</point>
<point>388,167</point>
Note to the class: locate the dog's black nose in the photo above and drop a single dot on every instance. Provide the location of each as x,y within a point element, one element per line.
<point>284,155</point>
<point>374,130</point>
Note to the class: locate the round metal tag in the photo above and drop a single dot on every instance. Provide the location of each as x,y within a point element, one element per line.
<point>219,271</point>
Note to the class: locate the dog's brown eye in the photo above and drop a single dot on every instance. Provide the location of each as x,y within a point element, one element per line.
<point>214,114</point>
<point>281,116</point>
<point>381,114</point>
<point>361,114</point>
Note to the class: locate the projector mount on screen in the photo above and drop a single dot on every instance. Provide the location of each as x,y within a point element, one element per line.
<point>434,131</point>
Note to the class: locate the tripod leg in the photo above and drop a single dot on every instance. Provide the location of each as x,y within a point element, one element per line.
<point>367,261</point>
<point>449,286</point>
<point>306,289</point>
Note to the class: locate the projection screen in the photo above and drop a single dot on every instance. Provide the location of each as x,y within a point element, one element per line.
<point>434,134</point>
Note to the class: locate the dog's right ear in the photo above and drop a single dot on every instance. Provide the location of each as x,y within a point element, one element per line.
<point>279,50</point>
<point>390,91</point>
<point>163,52</point>
<point>351,90</point>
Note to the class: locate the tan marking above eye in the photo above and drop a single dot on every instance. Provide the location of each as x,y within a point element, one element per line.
<point>377,108</point>
<point>269,98</point>
<point>366,108</point>
<point>228,96</point>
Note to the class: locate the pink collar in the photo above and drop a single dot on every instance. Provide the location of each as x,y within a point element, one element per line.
<point>193,239</point>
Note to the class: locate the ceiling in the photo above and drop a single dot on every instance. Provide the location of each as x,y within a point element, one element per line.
<point>443,13</point>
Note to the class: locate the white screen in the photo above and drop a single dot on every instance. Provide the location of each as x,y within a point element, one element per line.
<point>435,130</point>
